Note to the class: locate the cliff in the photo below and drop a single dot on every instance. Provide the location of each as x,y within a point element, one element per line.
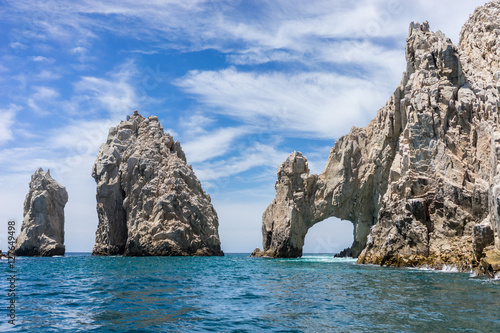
<point>42,231</point>
<point>149,201</point>
<point>421,183</point>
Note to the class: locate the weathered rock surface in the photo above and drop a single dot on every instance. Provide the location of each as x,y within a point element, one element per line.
<point>149,201</point>
<point>42,231</point>
<point>421,183</point>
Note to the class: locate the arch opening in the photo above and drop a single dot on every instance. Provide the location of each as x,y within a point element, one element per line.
<point>330,236</point>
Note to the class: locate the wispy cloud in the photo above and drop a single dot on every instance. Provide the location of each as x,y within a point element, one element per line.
<point>213,144</point>
<point>318,104</point>
<point>42,59</point>
<point>46,75</point>
<point>256,155</point>
<point>114,93</point>
<point>264,30</point>
<point>18,45</point>
<point>42,100</point>
<point>8,117</point>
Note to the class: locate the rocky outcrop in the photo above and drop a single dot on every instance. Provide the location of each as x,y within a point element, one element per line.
<point>149,201</point>
<point>42,231</point>
<point>421,183</point>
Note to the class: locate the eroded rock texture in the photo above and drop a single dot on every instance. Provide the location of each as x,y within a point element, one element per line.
<point>421,183</point>
<point>42,231</point>
<point>149,201</point>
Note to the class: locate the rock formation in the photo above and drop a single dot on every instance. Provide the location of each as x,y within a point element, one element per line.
<point>149,201</point>
<point>42,231</point>
<point>421,183</point>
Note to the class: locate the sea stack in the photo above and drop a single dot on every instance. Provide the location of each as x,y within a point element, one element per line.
<point>42,231</point>
<point>421,183</point>
<point>149,201</point>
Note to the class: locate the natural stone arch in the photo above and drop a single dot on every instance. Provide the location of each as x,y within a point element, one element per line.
<point>421,182</point>
<point>302,200</point>
<point>364,162</point>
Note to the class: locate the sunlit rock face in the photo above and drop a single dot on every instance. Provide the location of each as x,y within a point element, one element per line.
<point>42,231</point>
<point>149,201</point>
<point>421,183</point>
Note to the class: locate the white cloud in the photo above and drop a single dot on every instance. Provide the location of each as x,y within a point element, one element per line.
<point>79,49</point>
<point>8,117</point>
<point>213,144</point>
<point>319,104</point>
<point>113,93</point>
<point>43,59</point>
<point>18,45</point>
<point>144,52</point>
<point>195,124</point>
<point>255,155</point>
<point>46,75</point>
<point>272,31</point>
<point>42,99</point>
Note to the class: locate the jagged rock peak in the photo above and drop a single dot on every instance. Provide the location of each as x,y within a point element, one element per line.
<point>480,38</point>
<point>421,183</point>
<point>149,201</point>
<point>42,231</point>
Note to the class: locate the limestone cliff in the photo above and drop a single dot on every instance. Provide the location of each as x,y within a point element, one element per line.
<point>149,201</point>
<point>421,183</point>
<point>42,231</point>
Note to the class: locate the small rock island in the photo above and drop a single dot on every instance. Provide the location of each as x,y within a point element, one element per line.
<point>420,183</point>
<point>149,201</point>
<point>42,230</point>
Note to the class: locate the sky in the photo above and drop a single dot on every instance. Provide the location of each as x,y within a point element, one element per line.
<point>241,85</point>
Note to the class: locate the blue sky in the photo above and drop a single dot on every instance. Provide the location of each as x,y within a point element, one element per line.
<point>241,84</point>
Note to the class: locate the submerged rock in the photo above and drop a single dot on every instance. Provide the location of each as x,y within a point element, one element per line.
<point>419,178</point>
<point>345,253</point>
<point>42,231</point>
<point>149,201</point>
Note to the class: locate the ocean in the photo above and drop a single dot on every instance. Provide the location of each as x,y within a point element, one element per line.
<point>235,293</point>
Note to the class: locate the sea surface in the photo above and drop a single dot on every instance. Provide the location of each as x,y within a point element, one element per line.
<point>235,293</point>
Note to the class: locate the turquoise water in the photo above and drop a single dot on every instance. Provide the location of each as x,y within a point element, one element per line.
<point>235,293</point>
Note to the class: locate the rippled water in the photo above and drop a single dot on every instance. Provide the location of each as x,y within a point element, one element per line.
<point>235,293</point>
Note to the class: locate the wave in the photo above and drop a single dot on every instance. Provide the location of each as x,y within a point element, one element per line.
<point>324,258</point>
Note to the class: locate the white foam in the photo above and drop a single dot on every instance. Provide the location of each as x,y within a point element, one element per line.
<point>449,269</point>
<point>422,268</point>
<point>312,258</point>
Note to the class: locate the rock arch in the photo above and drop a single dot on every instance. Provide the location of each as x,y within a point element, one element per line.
<point>349,188</point>
<point>420,182</point>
